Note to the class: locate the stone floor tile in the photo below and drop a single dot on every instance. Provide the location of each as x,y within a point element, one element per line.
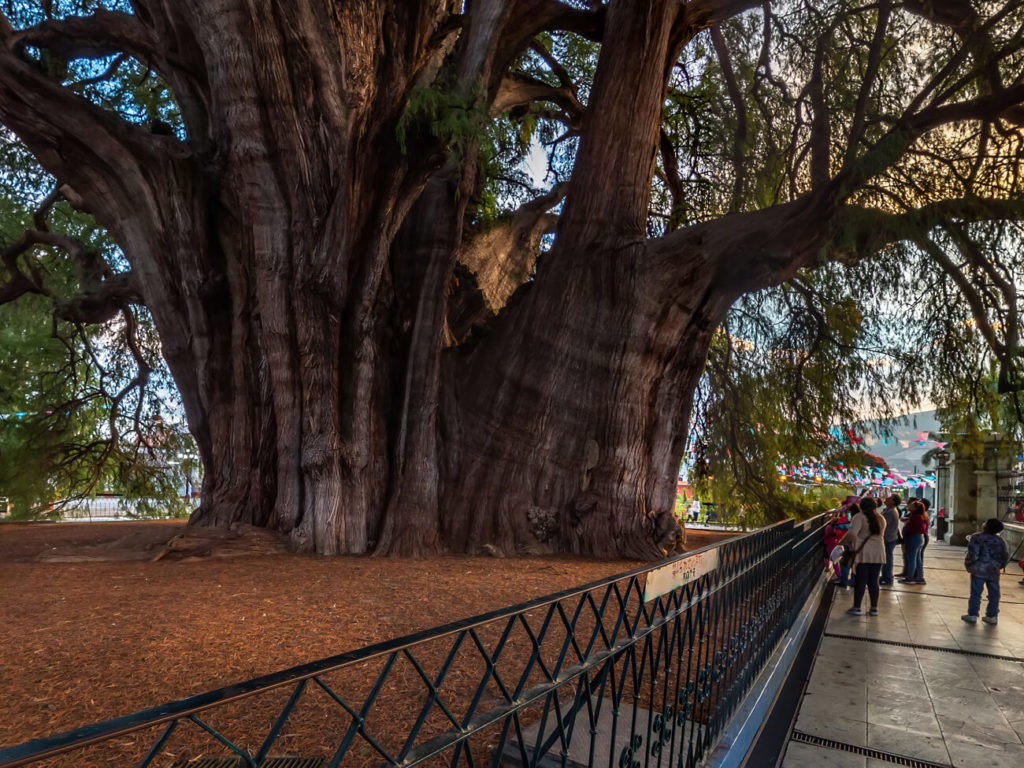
<point>958,729</point>
<point>981,713</point>
<point>915,701</point>
<point>967,755</point>
<point>808,756</point>
<point>943,662</point>
<point>914,718</point>
<point>1005,687</point>
<point>833,724</point>
<point>906,696</point>
<point>961,696</point>
<point>956,682</point>
<point>1010,705</point>
<point>824,682</point>
<point>891,656</point>
<point>997,667</point>
<point>903,741</point>
<point>838,700</point>
<point>888,683</point>
<point>904,682</point>
<point>906,678</point>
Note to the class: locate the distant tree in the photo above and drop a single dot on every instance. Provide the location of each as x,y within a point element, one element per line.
<point>388,336</point>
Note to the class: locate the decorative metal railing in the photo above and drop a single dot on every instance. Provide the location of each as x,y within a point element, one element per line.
<point>596,675</point>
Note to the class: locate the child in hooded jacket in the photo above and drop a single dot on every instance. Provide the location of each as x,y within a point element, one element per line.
<point>987,555</point>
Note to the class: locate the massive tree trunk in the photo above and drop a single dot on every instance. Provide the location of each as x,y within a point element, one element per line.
<point>298,263</point>
<point>568,424</point>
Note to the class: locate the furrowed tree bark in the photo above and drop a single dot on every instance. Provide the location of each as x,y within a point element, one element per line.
<point>261,244</point>
<point>566,422</point>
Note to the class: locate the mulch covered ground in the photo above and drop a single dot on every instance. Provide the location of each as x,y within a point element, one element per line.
<point>92,627</point>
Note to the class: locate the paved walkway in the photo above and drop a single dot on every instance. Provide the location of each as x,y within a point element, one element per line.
<point>916,681</point>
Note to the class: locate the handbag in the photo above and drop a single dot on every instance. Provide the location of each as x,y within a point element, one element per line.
<point>846,561</point>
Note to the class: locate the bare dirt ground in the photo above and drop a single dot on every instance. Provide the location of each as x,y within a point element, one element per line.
<point>92,627</point>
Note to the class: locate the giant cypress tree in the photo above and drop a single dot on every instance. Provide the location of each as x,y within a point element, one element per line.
<point>370,353</point>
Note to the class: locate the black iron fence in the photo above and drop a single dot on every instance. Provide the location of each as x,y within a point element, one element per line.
<point>611,674</point>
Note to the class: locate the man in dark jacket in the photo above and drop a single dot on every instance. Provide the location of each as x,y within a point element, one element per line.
<point>987,555</point>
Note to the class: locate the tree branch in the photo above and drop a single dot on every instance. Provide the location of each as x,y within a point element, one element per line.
<point>519,90</point>
<point>107,160</point>
<point>750,250</point>
<point>758,249</point>
<point>101,292</point>
<point>821,134</point>
<point>102,302</point>
<point>528,18</point>
<point>859,232</point>
<point>874,60</point>
<point>104,33</point>
<point>554,65</point>
<point>957,14</point>
<point>701,14</point>
<point>891,147</point>
<point>736,96</point>
<point>17,285</point>
<point>552,15</point>
<point>1006,351</point>
<point>670,165</point>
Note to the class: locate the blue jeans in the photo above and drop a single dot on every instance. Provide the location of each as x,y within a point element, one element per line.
<point>844,576</point>
<point>974,603</point>
<point>914,567</point>
<point>890,547</point>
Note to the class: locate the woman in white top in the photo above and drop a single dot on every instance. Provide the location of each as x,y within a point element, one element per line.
<point>866,538</point>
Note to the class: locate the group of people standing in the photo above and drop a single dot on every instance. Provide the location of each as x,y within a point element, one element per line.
<point>913,537</point>
<point>872,536</point>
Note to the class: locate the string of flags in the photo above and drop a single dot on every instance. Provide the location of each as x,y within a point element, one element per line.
<point>837,472</point>
<point>864,438</point>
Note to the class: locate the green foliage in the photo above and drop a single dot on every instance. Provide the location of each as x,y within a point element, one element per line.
<point>64,434</point>
<point>119,83</point>
<point>865,338</point>
<point>74,419</point>
<point>72,422</point>
<point>444,112</point>
<point>514,143</point>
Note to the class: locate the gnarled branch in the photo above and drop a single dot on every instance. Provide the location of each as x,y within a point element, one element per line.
<point>736,97</point>
<point>518,90</point>
<point>102,34</point>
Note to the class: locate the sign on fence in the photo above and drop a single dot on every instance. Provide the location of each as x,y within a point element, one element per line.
<point>681,572</point>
